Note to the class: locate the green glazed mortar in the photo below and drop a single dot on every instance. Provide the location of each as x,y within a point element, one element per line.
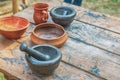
<point>63,15</point>
<point>43,66</point>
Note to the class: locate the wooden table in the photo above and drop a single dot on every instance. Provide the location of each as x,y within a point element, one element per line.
<point>92,51</point>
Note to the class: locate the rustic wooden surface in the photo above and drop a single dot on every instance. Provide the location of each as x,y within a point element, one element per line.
<point>90,53</point>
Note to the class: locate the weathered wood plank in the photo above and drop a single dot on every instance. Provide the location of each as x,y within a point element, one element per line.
<point>8,76</point>
<point>91,59</point>
<point>81,55</point>
<point>15,63</point>
<point>85,15</point>
<point>95,36</point>
<point>28,12</point>
<point>100,62</point>
<point>100,20</point>
<point>12,58</point>
<point>4,42</point>
<point>95,18</point>
<point>98,37</point>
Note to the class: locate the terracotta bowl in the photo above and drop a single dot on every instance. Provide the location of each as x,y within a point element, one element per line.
<point>63,15</point>
<point>13,27</point>
<point>49,33</point>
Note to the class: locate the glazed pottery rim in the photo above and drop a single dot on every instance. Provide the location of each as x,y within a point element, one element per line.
<point>27,24</point>
<point>40,8</point>
<point>38,62</point>
<point>54,24</point>
<point>52,13</point>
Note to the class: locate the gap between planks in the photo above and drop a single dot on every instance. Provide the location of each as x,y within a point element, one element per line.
<point>83,70</point>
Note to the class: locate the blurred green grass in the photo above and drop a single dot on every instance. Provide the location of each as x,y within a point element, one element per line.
<point>111,7</point>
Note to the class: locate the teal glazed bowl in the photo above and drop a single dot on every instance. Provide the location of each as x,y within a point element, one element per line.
<point>40,67</point>
<point>63,15</point>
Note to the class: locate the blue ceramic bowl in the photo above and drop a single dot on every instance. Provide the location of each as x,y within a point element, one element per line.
<point>63,15</point>
<point>40,67</point>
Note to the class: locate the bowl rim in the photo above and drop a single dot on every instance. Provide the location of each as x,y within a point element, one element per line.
<point>40,3</point>
<point>61,27</point>
<point>38,62</point>
<point>61,16</point>
<point>2,19</point>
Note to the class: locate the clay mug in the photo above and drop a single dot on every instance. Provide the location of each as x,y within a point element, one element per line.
<point>40,13</point>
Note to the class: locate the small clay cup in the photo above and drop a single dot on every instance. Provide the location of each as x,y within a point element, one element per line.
<point>40,12</point>
<point>63,15</point>
<point>40,67</point>
<point>49,33</point>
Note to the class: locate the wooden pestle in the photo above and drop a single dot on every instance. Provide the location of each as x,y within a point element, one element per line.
<point>34,53</point>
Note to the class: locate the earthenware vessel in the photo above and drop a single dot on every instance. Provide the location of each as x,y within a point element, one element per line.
<point>63,15</point>
<point>49,33</point>
<point>34,53</point>
<point>44,67</point>
<point>40,12</point>
<point>13,27</point>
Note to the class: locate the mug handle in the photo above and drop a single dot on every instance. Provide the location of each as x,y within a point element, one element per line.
<point>45,14</point>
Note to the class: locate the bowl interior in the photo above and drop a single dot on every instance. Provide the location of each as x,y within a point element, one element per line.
<point>13,23</point>
<point>63,11</point>
<point>49,32</point>
<point>48,51</point>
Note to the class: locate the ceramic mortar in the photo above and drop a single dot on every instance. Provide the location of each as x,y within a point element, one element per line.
<point>44,67</point>
<point>63,15</point>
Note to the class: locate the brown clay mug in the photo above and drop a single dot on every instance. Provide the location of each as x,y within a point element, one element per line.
<point>40,13</point>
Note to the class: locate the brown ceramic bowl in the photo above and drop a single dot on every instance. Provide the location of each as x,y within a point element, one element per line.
<point>49,33</point>
<point>13,27</point>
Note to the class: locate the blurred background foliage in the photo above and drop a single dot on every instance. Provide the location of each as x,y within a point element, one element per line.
<point>111,7</point>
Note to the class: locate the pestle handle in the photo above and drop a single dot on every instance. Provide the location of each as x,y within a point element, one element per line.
<point>34,53</point>
<point>65,12</point>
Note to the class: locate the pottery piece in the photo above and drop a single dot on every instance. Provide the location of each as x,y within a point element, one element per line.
<point>40,67</point>
<point>63,15</point>
<point>13,27</point>
<point>34,53</point>
<point>40,13</point>
<point>49,33</point>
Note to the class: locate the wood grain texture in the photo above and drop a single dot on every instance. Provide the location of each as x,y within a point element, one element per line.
<point>4,42</point>
<point>8,76</point>
<point>91,59</point>
<point>81,55</point>
<point>101,20</point>
<point>15,63</point>
<point>92,50</point>
<point>102,38</point>
<point>95,36</point>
